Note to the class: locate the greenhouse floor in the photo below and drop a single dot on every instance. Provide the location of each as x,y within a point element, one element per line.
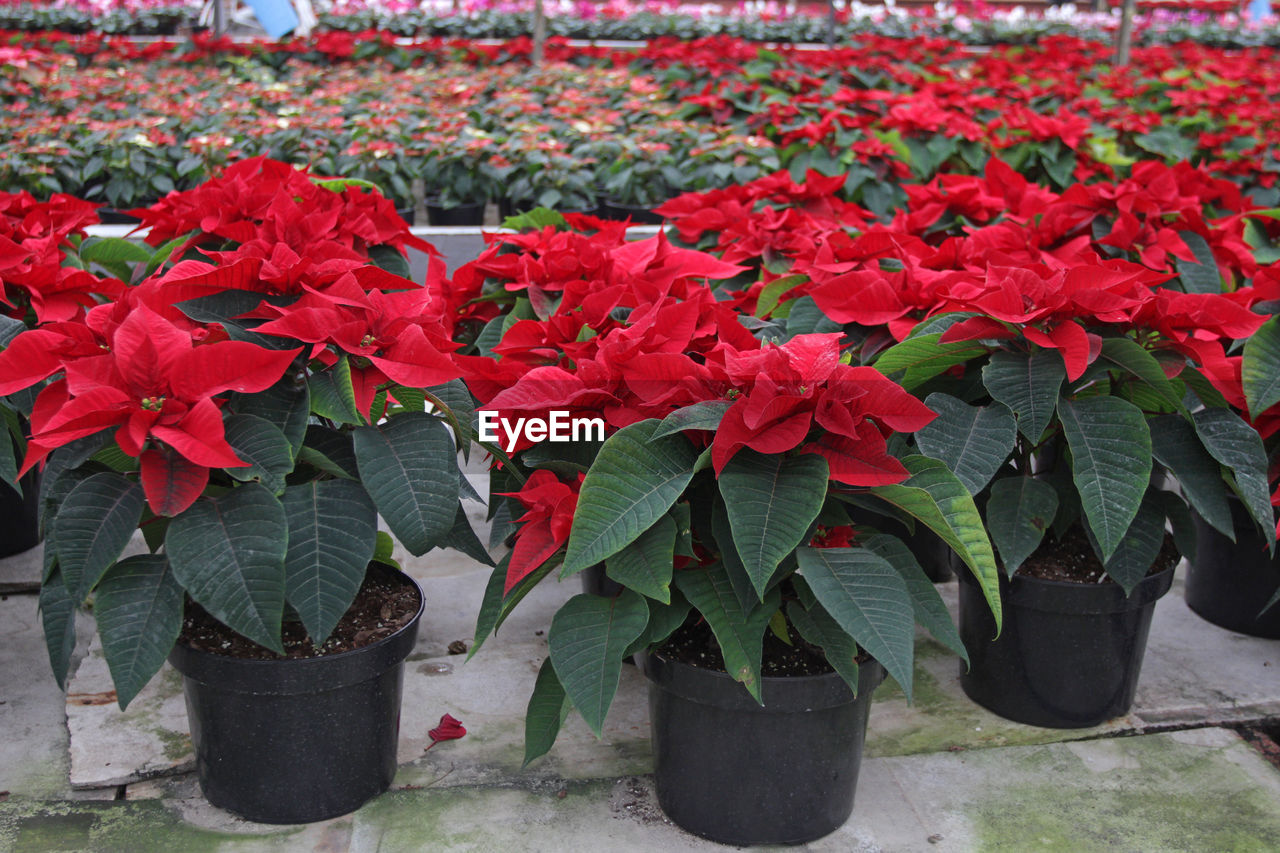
<point>1187,770</point>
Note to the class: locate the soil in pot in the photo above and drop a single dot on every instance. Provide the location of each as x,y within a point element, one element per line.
<point>304,736</point>
<point>1071,648</point>
<point>384,605</point>
<point>732,770</point>
<point>1228,583</point>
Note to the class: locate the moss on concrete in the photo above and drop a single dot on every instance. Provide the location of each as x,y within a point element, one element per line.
<point>115,827</point>
<point>1151,793</point>
<point>942,718</point>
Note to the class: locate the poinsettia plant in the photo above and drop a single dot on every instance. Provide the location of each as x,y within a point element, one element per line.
<point>42,279</point>
<point>720,494</point>
<point>1074,348</point>
<point>251,404</point>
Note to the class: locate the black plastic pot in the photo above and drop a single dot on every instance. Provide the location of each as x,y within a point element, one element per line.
<point>637,213</point>
<point>1069,654</point>
<point>507,207</point>
<point>462,214</point>
<point>20,514</point>
<point>596,582</point>
<point>407,214</point>
<point>296,741</point>
<point>111,216</point>
<point>1228,583</point>
<point>737,772</point>
<point>935,556</point>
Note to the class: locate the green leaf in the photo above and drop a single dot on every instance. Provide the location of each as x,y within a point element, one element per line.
<point>60,474</point>
<point>722,533</point>
<point>285,405</point>
<point>1180,519</point>
<point>1027,384</point>
<point>869,600</point>
<point>1140,546</point>
<point>1260,371</point>
<point>564,459</point>
<point>806,318</point>
<point>1132,358</point>
<point>58,616</point>
<point>1177,447</point>
<point>262,445</point>
<point>633,482</point>
<point>738,632</point>
<point>1111,463</point>
<point>771,501</point>
<point>778,627</point>
<point>8,462</point>
<point>463,538</point>
<point>228,554</point>
<point>333,531</point>
<point>534,220</point>
<point>645,565</point>
<point>390,259</point>
<point>161,255</point>
<point>973,441</point>
<point>228,304</point>
<point>92,527</point>
<point>930,610</point>
<point>919,359</point>
<point>490,605</point>
<point>139,613</point>
<point>333,396</point>
<point>1239,447</point>
<point>705,416</point>
<point>936,497</point>
<point>114,253</point>
<point>767,301</point>
<point>409,466</point>
<point>817,627</point>
<point>547,711</point>
<point>1201,275</point>
<point>330,450</point>
<point>588,638</point>
<point>1019,513</point>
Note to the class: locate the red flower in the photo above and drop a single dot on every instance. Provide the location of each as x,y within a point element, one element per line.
<point>544,529</point>
<point>157,388</point>
<point>788,390</point>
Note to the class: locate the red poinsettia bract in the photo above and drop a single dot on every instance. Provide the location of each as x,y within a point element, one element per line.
<point>158,389</point>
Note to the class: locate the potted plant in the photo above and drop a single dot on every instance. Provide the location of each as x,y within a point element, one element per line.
<point>1069,380</point>
<point>543,173</point>
<point>456,175</point>
<point>38,284</point>
<point>637,175</point>
<point>1233,578</point>
<point>1069,401</point>
<point>717,501</point>
<point>252,413</point>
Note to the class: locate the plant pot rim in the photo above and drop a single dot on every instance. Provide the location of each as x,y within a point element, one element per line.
<point>780,692</point>
<point>347,666</point>
<point>434,201</point>
<point>1059,596</point>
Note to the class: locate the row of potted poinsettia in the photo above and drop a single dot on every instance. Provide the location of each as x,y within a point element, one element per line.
<point>253,390</point>
<point>615,126</point>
